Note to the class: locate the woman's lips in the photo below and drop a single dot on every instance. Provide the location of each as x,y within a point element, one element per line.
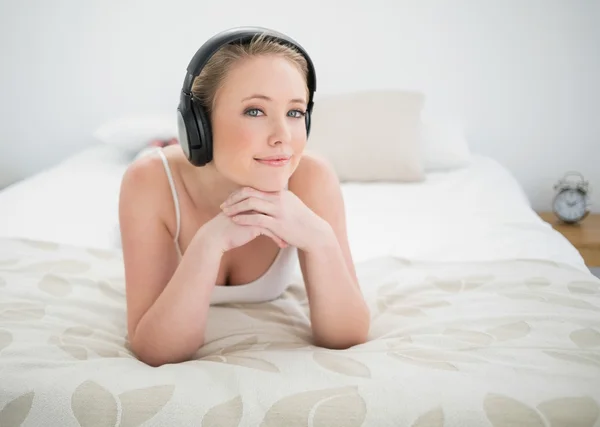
<point>274,161</point>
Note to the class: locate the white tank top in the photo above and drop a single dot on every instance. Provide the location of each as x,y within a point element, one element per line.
<point>267,287</point>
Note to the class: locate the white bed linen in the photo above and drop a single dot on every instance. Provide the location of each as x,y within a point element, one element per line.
<point>74,202</point>
<point>477,213</point>
<point>497,344</point>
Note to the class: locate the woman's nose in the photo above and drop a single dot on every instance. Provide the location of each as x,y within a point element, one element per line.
<point>281,133</point>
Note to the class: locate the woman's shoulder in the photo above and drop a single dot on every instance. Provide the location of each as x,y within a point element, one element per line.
<point>317,185</point>
<point>145,181</point>
<point>145,195</point>
<point>313,168</point>
<point>314,176</point>
<point>149,170</point>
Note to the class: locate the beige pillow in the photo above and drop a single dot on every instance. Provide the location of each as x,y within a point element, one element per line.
<point>370,135</point>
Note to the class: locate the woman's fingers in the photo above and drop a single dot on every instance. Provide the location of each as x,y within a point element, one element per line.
<point>260,223</point>
<point>254,219</point>
<point>250,204</point>
<point>280,242</point>
<point>245,193</point>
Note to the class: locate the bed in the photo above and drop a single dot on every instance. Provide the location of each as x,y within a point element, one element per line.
<point>482,315</point>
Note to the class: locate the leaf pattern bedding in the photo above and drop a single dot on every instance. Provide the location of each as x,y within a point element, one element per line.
<point>510,343</point>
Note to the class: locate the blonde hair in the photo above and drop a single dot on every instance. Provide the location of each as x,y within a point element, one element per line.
<point>213,74</point>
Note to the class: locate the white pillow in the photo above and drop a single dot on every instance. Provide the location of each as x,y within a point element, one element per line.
<point>133,133</point>
<point>370,135</point>
<point>443,144</point>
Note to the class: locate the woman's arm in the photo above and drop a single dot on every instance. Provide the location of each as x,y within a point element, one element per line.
<point>339,315</point>
<point>173,328</point>
<point>167,303</point>
<point>311,217</point>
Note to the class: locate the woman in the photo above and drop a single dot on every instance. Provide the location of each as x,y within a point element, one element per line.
<point>230,231</point>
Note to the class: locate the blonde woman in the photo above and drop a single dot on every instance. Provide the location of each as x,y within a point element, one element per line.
<point>233,229</point>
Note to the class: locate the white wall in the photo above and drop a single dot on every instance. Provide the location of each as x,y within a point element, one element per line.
<point>523,75</point>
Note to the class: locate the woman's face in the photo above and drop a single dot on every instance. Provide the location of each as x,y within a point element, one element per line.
<point>259,115</point>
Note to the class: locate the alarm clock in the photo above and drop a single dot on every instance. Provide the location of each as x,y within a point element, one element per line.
<point>571,202</point>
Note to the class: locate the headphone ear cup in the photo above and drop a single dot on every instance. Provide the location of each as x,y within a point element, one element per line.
<point>307,122</point>
<point>201,154</point>
<point>186,127</point>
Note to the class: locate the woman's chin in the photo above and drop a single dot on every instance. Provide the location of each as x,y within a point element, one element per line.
<point>269,185</point>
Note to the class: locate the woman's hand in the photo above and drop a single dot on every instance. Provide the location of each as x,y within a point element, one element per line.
<point>282,213</point>
<point>224,233</point>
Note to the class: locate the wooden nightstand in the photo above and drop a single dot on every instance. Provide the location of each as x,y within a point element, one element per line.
<point>584,236</point>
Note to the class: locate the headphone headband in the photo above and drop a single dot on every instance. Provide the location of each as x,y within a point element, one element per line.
<point>195,136</point>
<point>240,35</point>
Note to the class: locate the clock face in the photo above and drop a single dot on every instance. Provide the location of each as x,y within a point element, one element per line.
<point>570,205</point>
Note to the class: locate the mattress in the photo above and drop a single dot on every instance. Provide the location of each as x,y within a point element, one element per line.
<point>482,315</point>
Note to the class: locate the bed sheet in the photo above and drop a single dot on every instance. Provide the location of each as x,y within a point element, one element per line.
<point>74,202</point>
<point>491,344</point>
<point>476,213</point>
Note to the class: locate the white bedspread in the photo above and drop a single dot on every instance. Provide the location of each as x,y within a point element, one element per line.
<point>74,202</point>
<point>479,213</point>
<point>504,343</point>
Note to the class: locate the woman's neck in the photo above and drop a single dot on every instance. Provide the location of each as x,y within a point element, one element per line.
<point>207,188</point>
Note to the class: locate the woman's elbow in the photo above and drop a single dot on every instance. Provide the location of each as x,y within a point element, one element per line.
<point>151,359</point>
<point>343,340</point>
<point>153,356</point>
<point>341,343</point>
<point>142,353</point>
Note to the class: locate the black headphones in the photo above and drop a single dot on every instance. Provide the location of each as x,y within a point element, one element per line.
<point>193,123</point>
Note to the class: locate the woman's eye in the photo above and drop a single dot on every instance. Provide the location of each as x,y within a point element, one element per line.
<point>297,113</point>
<point>253,112</point>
